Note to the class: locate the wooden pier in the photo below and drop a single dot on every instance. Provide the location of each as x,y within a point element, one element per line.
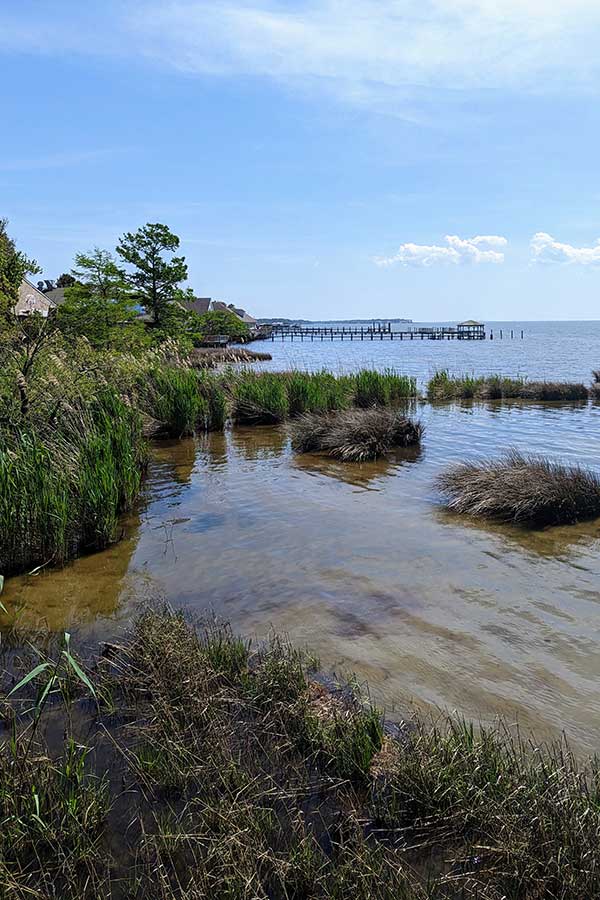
<point>465,331</point>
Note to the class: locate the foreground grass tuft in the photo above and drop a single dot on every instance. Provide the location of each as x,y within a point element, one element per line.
<point>526,490</point>
<point>234,773</point>
<point>354,435</point>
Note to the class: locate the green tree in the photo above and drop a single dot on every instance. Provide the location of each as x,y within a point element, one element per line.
<point>65,280</point>
<point>14,266</point>
<point>99,304</point>
<point>221,321</point>
<point>156,274</point>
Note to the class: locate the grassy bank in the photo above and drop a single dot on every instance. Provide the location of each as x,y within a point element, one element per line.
<point>73,421</point>
<point>443,386</point>
<point>206,768</point>
<point>267,397</point>
<point>64,483</point>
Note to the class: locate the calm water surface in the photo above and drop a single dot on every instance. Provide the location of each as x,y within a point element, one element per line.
<point>360,563</point>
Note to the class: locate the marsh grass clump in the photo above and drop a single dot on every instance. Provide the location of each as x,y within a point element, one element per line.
<point>317,392</point>
<point>62,488</point>
<point>443,386</point>
<point>354,435</point>
<point>258,398</point>
<point>387,388</point>
<point>519,821</point>
<point>525,490</point>
<point>211,357</point>
<point>171,396</point>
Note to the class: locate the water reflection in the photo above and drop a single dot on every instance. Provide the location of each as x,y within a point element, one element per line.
<point>367,474</point>
<point>555,542</point>
<point>88,589</point>
<point>360,563</point>
<point>261,442</point>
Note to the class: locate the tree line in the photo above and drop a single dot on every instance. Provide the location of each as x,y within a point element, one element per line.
<point>106,291</point>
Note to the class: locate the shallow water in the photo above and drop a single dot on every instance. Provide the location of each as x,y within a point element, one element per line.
<point>556,351</point>
<point>361,564</point>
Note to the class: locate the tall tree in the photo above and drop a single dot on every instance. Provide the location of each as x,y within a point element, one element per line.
<point>156,273</point>
<point>99,304</point>
<point>14,266</point>
<point>65,280</point>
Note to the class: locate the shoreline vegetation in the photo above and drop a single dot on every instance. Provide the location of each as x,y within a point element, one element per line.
<point>443,386</point>
<point>75,420</point>
<point>186,763</point>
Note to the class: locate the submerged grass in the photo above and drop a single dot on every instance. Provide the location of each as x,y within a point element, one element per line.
<point>354,435</point>
<point>443,386</point>
<point>234,773</point>
<point>526,490</point>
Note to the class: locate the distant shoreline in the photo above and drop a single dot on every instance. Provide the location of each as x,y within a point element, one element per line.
<point>329,321</point>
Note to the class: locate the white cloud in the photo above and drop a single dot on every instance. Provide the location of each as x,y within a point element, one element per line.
<point>363,49</point>
<point>544,249</point>
<point>479,249</point>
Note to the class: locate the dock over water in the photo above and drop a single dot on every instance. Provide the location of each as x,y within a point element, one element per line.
<point>464,331</point>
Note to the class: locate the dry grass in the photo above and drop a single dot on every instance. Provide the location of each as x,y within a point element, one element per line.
<point>354,435</point>
<point>211,357</point>
<point>526,490</point>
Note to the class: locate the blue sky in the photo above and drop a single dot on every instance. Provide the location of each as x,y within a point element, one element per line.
<point>434,159</point>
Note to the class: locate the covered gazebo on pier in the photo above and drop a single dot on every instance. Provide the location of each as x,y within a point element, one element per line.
<point>471,330</point>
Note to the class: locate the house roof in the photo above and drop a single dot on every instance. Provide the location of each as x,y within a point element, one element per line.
<point>31,300</point>
<point>471,323</point>
<point>198,305</point>
<point>57,295</point>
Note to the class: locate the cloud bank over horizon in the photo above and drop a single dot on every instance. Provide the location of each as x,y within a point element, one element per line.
<point>457,251</point>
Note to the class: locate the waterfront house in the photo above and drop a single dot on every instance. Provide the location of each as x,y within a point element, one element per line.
<point>31,300</point>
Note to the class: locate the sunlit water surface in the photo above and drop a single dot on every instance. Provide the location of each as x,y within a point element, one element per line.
<point>362,564</point>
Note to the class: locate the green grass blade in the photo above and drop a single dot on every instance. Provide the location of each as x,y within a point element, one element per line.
<point>29,677</point>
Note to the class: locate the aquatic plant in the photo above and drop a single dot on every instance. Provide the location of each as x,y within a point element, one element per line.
<point>258,398</point>
<point>525,490</point>
<point>443,386</point>
<point>63,488</point>
<point>354,435</point>
<point>387,388</point>
<point>317,392</point>
<point>171,396</point>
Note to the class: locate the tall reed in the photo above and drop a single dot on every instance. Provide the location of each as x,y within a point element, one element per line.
<point>387,388</point>
<point>62,488</point>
